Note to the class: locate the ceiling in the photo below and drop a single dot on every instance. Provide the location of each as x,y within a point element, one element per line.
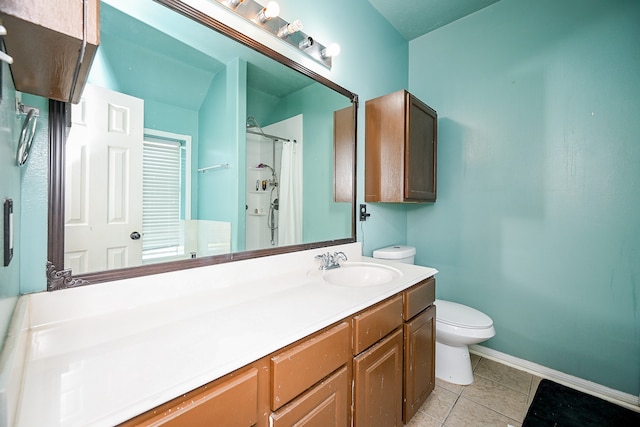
<point>414,18</point>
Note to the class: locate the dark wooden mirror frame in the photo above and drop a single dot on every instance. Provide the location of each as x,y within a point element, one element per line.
<point>59,117</point>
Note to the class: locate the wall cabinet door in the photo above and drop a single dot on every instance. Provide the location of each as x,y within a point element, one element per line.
<point>400,149</point>
<point>377,380</point>
<point>419,360</point>
<point>420,157</point>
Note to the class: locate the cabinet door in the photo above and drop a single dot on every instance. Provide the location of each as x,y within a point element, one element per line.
<point>377,379</point>
<point>420,161</point>
<point>419,360</point>
<point>325,405</point>
<point>344,152</point>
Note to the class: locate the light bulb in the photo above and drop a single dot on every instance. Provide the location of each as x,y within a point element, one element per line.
<point>289,29</point>
<point>235,3</point>
<point>271,10</point>
<point>331,51</point>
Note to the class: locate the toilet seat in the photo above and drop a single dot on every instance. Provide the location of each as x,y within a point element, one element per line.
<point>460,315</point>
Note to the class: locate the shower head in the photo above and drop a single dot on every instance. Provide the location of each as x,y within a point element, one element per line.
<point>264,165</point>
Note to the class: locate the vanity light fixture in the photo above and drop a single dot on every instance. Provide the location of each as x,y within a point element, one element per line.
<point>271,10</point>
<point>266,17</point>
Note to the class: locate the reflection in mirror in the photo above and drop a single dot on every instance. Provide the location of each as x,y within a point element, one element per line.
<point>188,144</point>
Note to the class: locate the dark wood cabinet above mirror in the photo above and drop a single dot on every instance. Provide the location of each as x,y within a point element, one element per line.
<point>52,45</point>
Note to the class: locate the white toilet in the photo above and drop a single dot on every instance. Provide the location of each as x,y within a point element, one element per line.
<point>457,327</point>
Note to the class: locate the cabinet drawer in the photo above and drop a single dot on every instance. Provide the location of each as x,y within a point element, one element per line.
<point>419,297</point>
<point>375,323</point>
<point>326,404</point>
<point>297,369</point>
<point>217,404</point>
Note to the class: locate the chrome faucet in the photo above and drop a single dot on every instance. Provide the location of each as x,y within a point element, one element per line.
<point>330,261</point>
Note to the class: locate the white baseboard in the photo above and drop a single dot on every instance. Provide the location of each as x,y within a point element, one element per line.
<point>615,396</point>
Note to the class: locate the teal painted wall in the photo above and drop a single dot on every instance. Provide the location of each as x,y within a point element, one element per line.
<point>35,202</point>
<point>10,188</point>
<point>321,220</point>
<point>219,195</point>
<point>260,105</point>
<point>373,61</point>
<point>172,118</point>
<point>537,221</point>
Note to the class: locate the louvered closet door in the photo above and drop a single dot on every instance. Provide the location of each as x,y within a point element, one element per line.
<point>103,205</point>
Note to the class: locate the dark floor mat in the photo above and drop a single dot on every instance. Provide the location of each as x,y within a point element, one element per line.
<point>557,405</point>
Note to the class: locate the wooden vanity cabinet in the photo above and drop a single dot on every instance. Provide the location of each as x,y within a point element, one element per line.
<point>372,369</point>
<point>239,399</point>
<point>419,346</point>
<point>400,149</point>
<point>45,40</point>
<point>377,365</point>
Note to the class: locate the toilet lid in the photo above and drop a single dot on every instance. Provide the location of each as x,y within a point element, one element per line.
<point>461,315</point>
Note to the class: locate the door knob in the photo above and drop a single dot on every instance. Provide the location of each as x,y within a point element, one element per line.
<point>135,235</point>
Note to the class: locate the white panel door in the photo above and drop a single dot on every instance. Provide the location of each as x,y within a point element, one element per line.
<point>103,199</point>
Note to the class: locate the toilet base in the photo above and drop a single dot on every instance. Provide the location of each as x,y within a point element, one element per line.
<point>453,364</point>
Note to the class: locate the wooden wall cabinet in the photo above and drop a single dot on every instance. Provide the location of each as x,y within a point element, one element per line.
<point>400,149</point>
<point>45,40</point>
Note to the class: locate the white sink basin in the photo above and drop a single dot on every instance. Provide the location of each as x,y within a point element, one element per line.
<point>358,274</point>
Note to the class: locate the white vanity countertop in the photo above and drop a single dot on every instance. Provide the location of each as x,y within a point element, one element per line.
<point>101,354</point>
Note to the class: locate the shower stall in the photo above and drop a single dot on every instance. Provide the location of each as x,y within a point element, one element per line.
<point>264,181</point>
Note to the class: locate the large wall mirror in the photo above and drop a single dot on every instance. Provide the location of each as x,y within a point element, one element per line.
<point>193,145</point>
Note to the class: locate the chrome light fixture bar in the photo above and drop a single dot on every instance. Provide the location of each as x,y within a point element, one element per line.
<point>266,18</point>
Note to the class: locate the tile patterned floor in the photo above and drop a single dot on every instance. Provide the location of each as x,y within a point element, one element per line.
<point>499,396</point>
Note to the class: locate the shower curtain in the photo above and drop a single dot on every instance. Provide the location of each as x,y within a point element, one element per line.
<point>290,210</point>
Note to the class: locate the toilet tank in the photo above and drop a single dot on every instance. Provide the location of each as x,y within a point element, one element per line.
<point>405,254</point>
